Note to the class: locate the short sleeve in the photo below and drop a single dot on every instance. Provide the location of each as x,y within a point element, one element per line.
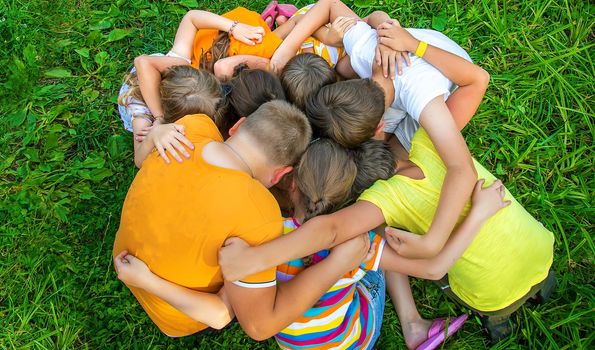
<point>262,235</point>
<point>381,194</point>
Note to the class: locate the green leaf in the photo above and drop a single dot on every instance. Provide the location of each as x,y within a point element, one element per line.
<point>118,34</point>
<point>17,118</point>
<point>101,58</point>
<point>104,24</point>
<point>58,73</point>
<point>83,52</point>
<point>30,54</point>
<point>189,3</point>
<point>439,22</point>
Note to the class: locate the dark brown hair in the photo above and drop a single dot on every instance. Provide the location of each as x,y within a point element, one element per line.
<point>374,161</point>
<point>348,111</point>
<point>280,129</point>
<point>246,91</point>
<point>304,75</point>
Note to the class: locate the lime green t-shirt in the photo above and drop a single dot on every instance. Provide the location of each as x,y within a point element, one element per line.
<point>511,253</point>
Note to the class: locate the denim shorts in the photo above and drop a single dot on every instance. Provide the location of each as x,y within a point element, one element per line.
<point>375,285</point>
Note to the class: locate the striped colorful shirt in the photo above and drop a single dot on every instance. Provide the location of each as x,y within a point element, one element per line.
<point>343,317</point>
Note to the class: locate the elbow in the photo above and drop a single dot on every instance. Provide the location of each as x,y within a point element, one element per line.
<point>483,78</point>
<point>222,70</point>
<point>435,273</point>
<point>140,62</point>
<point>258,331</point>
<point>220,321</point>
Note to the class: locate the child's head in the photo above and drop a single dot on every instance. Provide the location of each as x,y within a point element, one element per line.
<point>349,111</point>
<point>374,161</point>
<point>245,92</point>
<point>187,90</point>
<point>304,75</point>
<point>324,177</point>
<point>280,131</point>
<point>330,176</point>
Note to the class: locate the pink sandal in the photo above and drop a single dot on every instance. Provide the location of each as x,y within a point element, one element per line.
<point>270,12</point>
<point>438,331</point>
<point>286,10</point>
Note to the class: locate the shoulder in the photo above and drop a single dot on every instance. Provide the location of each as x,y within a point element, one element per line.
<point>200,126</point>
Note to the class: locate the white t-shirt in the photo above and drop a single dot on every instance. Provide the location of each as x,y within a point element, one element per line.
<point>415,88</point>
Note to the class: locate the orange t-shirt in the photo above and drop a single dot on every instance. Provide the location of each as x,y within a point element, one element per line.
<point>204,38</point>
<point>176,217</point>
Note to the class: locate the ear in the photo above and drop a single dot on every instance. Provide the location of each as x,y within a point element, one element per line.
<point>279,173</point>
<point>236,126</point>
<point>379,132</point>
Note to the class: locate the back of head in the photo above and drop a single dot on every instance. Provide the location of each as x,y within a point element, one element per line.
<point>374,161</point>
<point>348,111</point>
<point>280,130</point>
<point>187,90</point>
<point>246,91</point>
<point>304,75</point>
<point>324,176</point>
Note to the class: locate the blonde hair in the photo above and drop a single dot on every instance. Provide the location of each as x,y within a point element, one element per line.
<point>186,90</point>
<point>281,130</point>
<point>218,50</point>
<point>304,75</point>
<point>348,111</point>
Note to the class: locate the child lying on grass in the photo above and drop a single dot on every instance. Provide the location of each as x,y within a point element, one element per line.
<point>350,313</point>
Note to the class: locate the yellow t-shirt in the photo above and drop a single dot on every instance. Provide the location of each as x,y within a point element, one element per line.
<point>511,253</point>
<point>176,217</point>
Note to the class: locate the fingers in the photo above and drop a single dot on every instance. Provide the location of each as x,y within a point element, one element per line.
<point>170,148</point>
<point>385,63</point>
<point>392,62</point>
<point>231,240</point>
<point>378,56</point>
<point>185,141</point>
<point>479,184</point>
<point>406,57</point>
<point>388,42</point>
<point>384,26</point>
<point>161,152</point>
<point>179,147</point>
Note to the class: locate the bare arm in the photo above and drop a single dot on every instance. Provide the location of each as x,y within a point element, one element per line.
<point>486,202</point>
<point>163,137</point>
<point>458,181</point>
<point>263,312</point>
<point>207,308</point>
<point>224,68</point>
<point>472,80</point>
<point>237,260</point>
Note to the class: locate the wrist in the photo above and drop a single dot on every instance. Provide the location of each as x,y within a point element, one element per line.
<point>476,216</point>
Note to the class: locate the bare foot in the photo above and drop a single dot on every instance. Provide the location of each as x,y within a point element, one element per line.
<point>280,20</point>
<point>269,21</point>
<point>416,332</point>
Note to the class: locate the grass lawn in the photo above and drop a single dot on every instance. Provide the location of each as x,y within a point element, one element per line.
<point>66,162</point>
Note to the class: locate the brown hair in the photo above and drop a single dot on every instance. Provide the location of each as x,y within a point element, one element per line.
<point>281,130</point>
<point>347,111</point>
<point>304,75</point>
<point>330,176</point>
<point>187,90</point>
<point>374,161</point>
<point>247,90</point>
<point>218,50</point>
<point>324,177</point>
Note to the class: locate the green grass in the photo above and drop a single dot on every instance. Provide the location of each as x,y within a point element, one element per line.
<point>66,163</point>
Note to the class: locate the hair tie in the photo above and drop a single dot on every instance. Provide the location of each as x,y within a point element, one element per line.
<point>314,140</point>
<point>225,90</point>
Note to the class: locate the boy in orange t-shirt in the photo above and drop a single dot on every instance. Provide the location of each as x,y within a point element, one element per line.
<point>177,216</point>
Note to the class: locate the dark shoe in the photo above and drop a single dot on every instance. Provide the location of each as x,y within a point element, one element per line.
<point>498,327</point>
